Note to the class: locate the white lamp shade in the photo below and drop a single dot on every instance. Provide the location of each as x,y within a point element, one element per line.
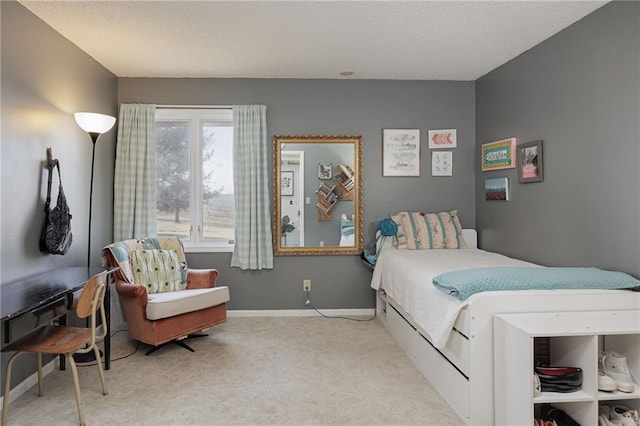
<point>91,122</point>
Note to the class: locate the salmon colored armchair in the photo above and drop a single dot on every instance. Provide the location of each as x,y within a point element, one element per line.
<point>157,313</point>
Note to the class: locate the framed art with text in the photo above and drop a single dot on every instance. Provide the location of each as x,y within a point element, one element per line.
<point>400,152</point>
<point>499,155</point>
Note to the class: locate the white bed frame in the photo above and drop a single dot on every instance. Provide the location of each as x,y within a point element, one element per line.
<point>462,372</point>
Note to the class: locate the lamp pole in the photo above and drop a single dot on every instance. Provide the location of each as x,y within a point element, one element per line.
<point>95,125</point>
<point>94,139</point>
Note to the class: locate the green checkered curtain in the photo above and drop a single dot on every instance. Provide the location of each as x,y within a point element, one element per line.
<point>134,187</point>
<point>253,249</point>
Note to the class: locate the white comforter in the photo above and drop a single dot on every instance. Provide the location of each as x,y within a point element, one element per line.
<point>406,276</point>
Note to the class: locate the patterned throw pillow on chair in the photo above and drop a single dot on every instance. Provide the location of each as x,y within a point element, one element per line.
<point>158,270</point>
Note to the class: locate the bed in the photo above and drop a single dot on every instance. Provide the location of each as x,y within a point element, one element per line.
<point>347,235</point>
<point>450,340</point>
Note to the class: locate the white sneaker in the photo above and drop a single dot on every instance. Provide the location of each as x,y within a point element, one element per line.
<point>606,383</point>
<point>614,365</point>
<point>627,416</point>
<point>604,421</point>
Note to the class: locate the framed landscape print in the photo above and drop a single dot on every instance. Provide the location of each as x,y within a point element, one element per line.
<point>400,152</point>
<point>499,155</point>
<point>530,162</point>
<point>496,189</point>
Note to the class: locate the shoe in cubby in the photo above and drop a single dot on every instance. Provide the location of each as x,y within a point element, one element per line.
<point>626,415</point>
<point>614,365</point>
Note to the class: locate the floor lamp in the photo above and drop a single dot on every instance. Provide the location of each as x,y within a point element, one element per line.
<point>95,125</point>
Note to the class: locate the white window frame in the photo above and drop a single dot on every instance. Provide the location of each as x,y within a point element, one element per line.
<point>223,116</point>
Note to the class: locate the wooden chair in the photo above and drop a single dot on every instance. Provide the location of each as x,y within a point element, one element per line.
<point>63,340</point>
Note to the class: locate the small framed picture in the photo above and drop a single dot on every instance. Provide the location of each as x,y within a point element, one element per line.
<point>400,152</point>
<point>530,162</point>
<point>441,163</point>
<point>443,138</point>
<point>286,183</point>
<point>325,171</point>
<point>496,189</point>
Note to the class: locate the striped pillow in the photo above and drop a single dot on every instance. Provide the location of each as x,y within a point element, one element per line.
<point>158,270</point>
<point>424,231</point>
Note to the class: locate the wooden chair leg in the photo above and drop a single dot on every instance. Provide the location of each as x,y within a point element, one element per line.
<point>76,385</point>
<point>40,384</point>
<point>7,388</point>
<point>103,382</point>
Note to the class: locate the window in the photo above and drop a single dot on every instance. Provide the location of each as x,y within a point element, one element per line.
<point>194,177</point>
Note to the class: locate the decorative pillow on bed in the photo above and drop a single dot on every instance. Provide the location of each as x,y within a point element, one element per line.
<point>159,270</point>
<point>424,231</point>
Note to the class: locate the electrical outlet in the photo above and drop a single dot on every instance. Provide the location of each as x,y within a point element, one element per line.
<point>306,285</point>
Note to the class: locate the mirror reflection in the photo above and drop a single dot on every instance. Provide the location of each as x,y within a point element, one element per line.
<point>317,195</point>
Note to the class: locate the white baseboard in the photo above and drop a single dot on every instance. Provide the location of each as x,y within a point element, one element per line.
<point>299,312</point>
<point>30,381</point>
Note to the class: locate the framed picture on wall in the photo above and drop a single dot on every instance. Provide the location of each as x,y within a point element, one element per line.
<point>286,183</point>
<point>530,162</point>
<point>443,138</point>
<point>400,152</point>
<point>499,155</point>
<point>325,171</point>
<point>496,189</point>
<point>442,163</point>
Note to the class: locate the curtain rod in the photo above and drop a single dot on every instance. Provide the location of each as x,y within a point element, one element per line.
<point>194,106</point>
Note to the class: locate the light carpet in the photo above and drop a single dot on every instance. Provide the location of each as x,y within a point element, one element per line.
<point>250,371</point>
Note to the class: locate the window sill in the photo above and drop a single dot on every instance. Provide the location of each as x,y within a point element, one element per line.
<point>209,249</point>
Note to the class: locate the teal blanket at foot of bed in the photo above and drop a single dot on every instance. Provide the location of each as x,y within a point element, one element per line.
<point>466,282</point>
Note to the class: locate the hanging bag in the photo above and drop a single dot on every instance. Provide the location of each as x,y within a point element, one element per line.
<point>55,236</point>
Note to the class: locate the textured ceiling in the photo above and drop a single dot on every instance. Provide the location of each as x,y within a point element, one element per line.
<point>402,40</point>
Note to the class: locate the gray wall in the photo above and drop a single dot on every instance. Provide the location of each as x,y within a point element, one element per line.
<point>579,92</point>
<point>336,107</point>
<point>45,79</point>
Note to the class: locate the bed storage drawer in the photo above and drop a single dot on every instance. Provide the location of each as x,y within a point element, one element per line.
<point>457,351</point>
<point>401,330</point>
<point>448,381</point>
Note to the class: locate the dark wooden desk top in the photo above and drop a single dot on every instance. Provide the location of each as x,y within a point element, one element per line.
<point>31,292</point>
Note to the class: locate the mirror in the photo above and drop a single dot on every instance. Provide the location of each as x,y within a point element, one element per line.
<point>317,195</point>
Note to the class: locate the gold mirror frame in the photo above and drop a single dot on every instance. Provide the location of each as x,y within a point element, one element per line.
<point>279,250</point>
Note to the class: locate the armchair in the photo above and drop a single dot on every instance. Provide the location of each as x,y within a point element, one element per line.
<point>164,301</point>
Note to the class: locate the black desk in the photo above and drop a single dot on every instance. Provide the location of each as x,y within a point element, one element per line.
<point>36,300</point>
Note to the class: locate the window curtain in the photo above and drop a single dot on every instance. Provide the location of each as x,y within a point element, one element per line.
<point>134,187</point>
<point>253,248</point>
